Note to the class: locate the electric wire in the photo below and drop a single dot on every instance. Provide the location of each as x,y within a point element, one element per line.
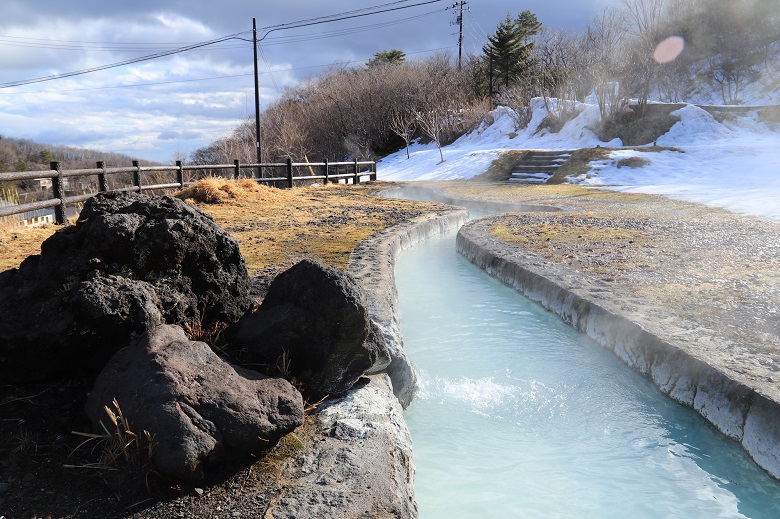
<point>323,19</point>
<point>193,80</point>
<point>338,17</point>
<point>268,67</point>
<point>119,64</point>
<point>271,41</point>
<point>305,23</point>
<point>285,40</point>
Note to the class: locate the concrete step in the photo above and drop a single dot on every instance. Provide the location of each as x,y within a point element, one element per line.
<point>531,178</point>
<point>537,167</point>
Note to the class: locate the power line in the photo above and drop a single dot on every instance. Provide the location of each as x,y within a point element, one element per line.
<point>193,80</point>
<point>121,63</point>
<point>331,17</point>
<point>76,45</point>
<point>285,40</point>
<point>114,48</point>
<point>291,25</point>
<point>346,16</point>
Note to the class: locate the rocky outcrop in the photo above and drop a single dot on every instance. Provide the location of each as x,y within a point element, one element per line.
<point>197,408</point>
<point>129,263</point>
<point>314,327</point>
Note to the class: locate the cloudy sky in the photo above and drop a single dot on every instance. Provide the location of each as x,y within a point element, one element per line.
<point>172,105</point>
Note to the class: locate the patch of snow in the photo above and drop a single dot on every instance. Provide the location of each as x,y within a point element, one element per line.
<point>734,164</point>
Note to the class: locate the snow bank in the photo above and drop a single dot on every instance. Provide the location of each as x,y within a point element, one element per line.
<point>734,164</point>
<point>473,153</point>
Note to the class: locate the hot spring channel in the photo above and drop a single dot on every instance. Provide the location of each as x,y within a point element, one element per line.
<point>518,415</point>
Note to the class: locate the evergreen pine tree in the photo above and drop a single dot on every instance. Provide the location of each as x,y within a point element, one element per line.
<point>510,49</point>
<point>387,57</point>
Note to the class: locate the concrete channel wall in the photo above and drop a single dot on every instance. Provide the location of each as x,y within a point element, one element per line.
<point>360,463</point>
<point>657,350</point>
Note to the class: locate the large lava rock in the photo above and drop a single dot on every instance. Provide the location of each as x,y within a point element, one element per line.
<point>198,409</point>
<point>131,262</point>
<point>314,327</point>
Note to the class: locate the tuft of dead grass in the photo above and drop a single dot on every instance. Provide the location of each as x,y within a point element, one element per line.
<point>220,190</point>
<point>633,162</point>
<point>118,443</point>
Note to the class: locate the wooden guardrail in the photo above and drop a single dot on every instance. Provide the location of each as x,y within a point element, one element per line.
<point>331,172</point>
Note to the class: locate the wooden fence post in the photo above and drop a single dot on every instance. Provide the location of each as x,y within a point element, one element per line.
<point>373,172</point>
<point>289,172</point>
<point>236,169</point>
<point>57,189</point>
<point>355,178</point>
<point>326,172</point>
<point>102,176</point>
<point>137,175</point>
<point>180,174</point>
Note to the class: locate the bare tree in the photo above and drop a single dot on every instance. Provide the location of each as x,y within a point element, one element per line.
<point>402,122</point>
<point>432,122</point>
<point>603,42</point>
<point>562,69</point>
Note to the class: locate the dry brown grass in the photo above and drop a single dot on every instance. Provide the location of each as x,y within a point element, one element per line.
<point>323,223</point>
<point>118,443</point>
<point>220,190</point>
<point>19,242</point>
<point>275,228</point>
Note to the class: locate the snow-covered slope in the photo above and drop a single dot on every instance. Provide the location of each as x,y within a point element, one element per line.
<point>734,164</point>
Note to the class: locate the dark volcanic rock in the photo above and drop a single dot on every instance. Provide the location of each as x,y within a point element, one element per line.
<point>314,325</point>
<point>131,262</point>
<point>198,408</point>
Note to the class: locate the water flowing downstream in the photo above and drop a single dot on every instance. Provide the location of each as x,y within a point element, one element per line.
<point>518,415</point>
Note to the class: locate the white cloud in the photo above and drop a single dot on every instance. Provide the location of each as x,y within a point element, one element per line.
<point>131,120</point>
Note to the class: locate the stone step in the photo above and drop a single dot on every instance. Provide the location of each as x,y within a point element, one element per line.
<point>535,167</point>
<point>538,166</point>
<point>530,178</point>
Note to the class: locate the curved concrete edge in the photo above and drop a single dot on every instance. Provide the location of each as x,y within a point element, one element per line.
<point>360,462</point>
<point>427,193</point>
<point>738,411</point>
<point>372,263</point>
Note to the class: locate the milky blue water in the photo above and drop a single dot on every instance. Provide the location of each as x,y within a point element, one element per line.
<point>518,415</point>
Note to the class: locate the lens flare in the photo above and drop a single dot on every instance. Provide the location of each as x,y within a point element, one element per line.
<point>669,49</point>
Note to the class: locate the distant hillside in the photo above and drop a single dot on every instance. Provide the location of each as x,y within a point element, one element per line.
<point>27,155</point>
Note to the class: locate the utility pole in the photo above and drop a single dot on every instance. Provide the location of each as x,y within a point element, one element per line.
<point>459,21</point>
<point>257,97</point>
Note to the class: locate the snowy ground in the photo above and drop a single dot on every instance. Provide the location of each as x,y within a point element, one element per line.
<point>735,165</point>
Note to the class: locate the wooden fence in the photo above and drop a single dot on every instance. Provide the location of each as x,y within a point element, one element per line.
<point>282,174</point>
